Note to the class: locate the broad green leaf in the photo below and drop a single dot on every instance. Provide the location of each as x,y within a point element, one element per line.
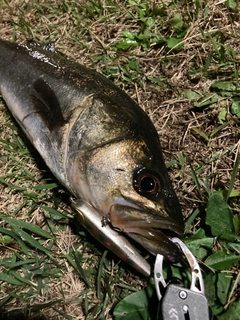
<point>232,194</point>
<point>231,3</point>
<point>133,64</point>
<point>230,237</point>
<point>236,223</point>
<point>198,249</point>
<point>207,101</point>
<point>126,44</point>
<point>221,260</point>
<point>219,216</point>
<point>6,239</point>
<point>174,43</point>
<point>234,246</point>
<point>232,312</point>
<point>198,235</point>
<point>223,287</point>
<point>129,35</point>
<point>211,294</point>
<point>135,306</point>
<point>199,244</point>
<point>222,116</point>
<point>149,22</point>
<point>223,86</point>
<point>97,57</point>
<point>177,22</point>
<point>189,94</point>
<point>157,11</point>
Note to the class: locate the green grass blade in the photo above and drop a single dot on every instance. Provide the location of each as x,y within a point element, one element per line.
<point>196,181</point>
<point>30,240</point>
<point>234,174</point>
<point>100,272</point>
<point>9,263</point>
<point>38,307</point>
<point>10,279</point>
<point>28,226</point>
<point>21,279</point>
<point>77,266</point>
<point>18,239</point>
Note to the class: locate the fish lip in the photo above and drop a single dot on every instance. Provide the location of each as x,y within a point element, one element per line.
<point>157,241</point>
<point>152,232</point>
<point>168,249</point>
<point>160,223</point>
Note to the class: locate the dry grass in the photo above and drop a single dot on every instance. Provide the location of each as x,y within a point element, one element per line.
<point>85,34</point>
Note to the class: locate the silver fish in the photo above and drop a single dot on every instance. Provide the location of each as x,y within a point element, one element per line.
<point>97,142</point>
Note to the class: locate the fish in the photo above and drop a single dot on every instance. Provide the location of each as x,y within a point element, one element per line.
<point>99,144</point>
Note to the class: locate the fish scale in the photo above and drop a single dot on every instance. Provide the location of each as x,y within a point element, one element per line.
<point>97,142</point>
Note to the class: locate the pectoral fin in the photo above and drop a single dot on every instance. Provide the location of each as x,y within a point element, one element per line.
<point>46,105</point>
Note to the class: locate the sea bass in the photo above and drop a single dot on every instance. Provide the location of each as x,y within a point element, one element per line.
<point>97,142</point>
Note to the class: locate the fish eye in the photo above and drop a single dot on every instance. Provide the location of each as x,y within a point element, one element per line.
<point>146,182</point>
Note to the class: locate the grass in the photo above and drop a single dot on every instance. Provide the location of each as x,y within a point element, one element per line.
<point>179,60</point>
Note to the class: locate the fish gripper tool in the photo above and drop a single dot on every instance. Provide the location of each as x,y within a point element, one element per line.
<point>177,302</point>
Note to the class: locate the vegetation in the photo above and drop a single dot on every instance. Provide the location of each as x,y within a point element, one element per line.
<point>180,61</point>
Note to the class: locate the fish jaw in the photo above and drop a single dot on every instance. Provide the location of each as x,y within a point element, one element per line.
<point>150,230</point>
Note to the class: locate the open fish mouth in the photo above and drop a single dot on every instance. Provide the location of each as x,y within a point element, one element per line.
<point>157,242</point>
<point>151,231</point>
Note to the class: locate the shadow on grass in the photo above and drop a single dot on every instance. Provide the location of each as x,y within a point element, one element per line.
<point>19,315</point>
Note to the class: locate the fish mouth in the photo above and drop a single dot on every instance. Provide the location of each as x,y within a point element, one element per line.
<point>150,230</point>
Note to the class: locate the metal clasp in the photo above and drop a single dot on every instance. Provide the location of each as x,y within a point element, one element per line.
<point>176,302</point>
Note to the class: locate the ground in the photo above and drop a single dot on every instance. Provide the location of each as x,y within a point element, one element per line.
<point>179,60</point>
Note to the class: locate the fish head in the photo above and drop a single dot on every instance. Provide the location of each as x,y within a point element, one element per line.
<point>118,168</point>
<point>131,188</point>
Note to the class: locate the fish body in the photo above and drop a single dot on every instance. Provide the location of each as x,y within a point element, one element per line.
<point>96,140</point>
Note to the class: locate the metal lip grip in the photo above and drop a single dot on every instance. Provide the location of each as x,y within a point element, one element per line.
<point>179,303</point>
